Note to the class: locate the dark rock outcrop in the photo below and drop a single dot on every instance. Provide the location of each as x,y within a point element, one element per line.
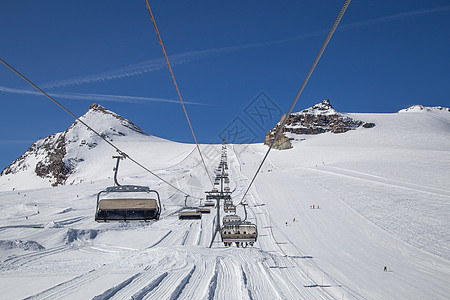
<point>53,166</point>
<point>319,118</point>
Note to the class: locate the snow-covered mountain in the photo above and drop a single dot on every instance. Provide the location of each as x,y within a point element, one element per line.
<point>332,213</point>
<point>55,158</point>
<point>319,118</point>
<point>421,108</point>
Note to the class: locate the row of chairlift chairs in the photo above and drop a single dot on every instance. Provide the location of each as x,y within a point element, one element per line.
<point>193,213</point>
<point>234,229</point>
<point>124,203</point>
<point>189,213</point>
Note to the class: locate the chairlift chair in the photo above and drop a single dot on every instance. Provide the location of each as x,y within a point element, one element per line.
<point>204,210</point>
<point>190,215</point>
<point>124,208</point>
<point>229,207</point>
<point>231,218</point>
<point>242,233</point>
<point>114,208</point>
<point>209,203</point>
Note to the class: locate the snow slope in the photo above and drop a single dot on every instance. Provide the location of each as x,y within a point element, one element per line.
<point>384,200</point>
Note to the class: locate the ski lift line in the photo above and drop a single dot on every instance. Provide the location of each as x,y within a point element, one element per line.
<point>89,127</point>
<point>178,90</point>
<point>283,122</point>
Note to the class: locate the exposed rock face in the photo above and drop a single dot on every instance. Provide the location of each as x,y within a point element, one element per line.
<point>50,153</point>
<point>56,156</point>
<point>53,166</point>
<point>281,143</point>
<point>319,118</point>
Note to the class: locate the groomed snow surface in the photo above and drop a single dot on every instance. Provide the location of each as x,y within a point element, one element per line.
<point>381,198</point>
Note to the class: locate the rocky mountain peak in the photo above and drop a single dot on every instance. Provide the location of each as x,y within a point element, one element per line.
<point>317,119</point>
<point>95,106</point>
<point>55,157</point>
<point>96,110</point>
<point>323,107</point>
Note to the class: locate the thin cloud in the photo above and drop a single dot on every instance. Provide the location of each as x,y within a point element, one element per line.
<point>131,70</point>
<point>182,58</point>
<point>395,17</point>
<point>94,97</point>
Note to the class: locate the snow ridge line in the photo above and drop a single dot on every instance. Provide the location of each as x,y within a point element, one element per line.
<point>213,282</point>
<point>112,291</point>
<point>382,180</point>
<point>160,240</point>
<point>184,238</point>
<point>148,288</point>
<point>41,225</point>
<point>182,285</point>
<point>244,279</point>
<point>199,233</point>
<point>178,163</point>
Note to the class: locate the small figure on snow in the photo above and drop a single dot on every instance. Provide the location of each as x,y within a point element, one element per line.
<point>385,269</point>
<point>286,223</point>
<point>293,220</point>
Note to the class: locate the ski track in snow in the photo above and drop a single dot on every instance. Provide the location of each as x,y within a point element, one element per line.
<point>21,260</point>
<point>64,289</point>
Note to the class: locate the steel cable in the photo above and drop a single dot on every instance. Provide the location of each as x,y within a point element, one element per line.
<point>286,116</point>
<point>178,91</point>
<point>90,128</point>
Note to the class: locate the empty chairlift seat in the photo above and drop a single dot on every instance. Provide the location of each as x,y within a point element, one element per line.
<point>189,215</point>
<point>117,207</point>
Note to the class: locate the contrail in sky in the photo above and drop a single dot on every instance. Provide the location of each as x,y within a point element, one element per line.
<point>15,142</point>
<point>93,97</point>
<point>177,59</point>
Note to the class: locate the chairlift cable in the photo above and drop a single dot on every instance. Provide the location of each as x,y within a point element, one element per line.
<point>90,128</point>
<point>286,116</point>
<point>178,90</point>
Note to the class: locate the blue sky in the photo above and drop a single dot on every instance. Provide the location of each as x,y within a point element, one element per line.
<point>385,56</point>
